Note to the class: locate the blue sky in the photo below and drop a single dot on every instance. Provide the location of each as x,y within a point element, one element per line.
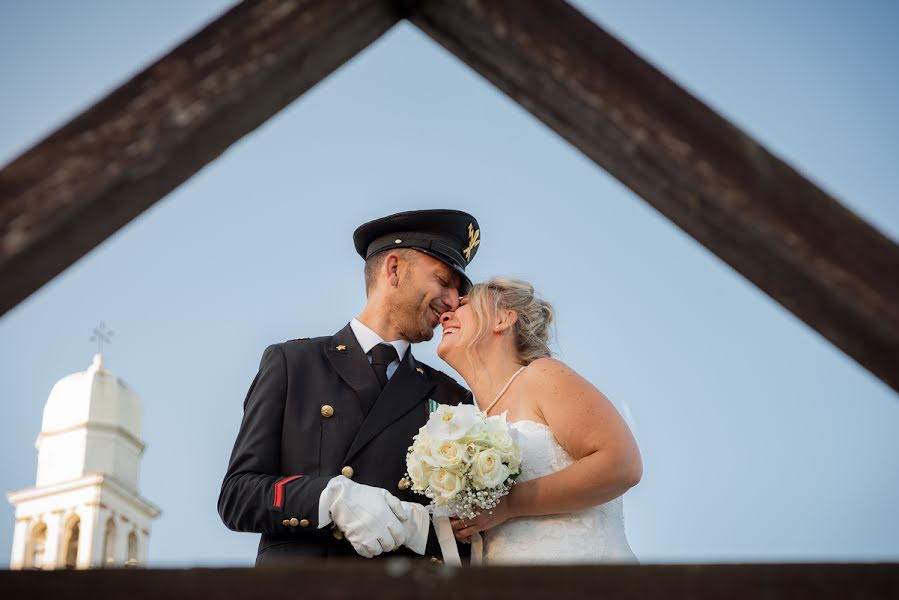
<point>761,441</point>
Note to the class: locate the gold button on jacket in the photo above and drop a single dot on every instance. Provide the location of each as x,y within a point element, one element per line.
<point>338,534</point>
<point>403,484</point>
<point>327,410</point>
<point>304,522</point>
<point>294,522</point>
<point>347,472</point>
<point>286,522</point>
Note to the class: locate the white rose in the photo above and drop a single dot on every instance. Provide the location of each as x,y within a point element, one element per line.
<point>477,431</point>
<point>422,441</point>
<point>445,485</point>
<point>452,422</point>
<point>419,473</point>
<point>426,458</point>
<point>514,460</point>
<point>498,434</point>
<point>488,470</point>
<point>447,454</point>
<point>500,437</point>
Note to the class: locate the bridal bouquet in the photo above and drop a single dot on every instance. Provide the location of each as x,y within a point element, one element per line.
<point>463,460</point>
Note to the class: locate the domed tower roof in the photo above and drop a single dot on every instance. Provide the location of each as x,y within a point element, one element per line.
<point>93,423</point>
<point>85,509</point>
<point>93,397</point>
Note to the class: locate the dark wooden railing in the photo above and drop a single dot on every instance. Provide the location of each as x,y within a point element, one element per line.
<point>404,580</point>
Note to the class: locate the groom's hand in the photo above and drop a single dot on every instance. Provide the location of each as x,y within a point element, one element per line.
<point>417,524</point>
<point>371,518</point>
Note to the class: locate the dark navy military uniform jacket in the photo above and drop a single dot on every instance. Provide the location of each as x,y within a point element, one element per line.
<point>304,423</point>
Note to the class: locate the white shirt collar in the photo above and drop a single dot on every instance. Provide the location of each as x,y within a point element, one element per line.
<point>368,339</point>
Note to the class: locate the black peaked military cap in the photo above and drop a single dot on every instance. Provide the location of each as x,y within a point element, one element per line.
<point>450,236</point>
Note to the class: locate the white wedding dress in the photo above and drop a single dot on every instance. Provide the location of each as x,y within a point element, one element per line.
<point>589,536</point>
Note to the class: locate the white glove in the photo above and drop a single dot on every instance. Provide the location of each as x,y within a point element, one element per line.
<point>417,525</point>
<point>369,517</point>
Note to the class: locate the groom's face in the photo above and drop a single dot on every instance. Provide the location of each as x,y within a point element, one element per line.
<point>426,289</point>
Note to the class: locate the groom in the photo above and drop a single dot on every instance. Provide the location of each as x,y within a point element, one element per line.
<point>319,462</point>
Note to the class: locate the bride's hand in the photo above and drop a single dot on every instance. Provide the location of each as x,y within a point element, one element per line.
<point>458,524</point>
<point>463,529</point>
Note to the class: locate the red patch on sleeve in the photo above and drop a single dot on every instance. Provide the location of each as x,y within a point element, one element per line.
<point>279,489</point>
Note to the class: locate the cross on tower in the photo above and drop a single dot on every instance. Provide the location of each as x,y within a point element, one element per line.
<point>101,335</point>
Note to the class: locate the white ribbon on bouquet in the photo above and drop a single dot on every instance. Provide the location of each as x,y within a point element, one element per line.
<point>444,530</point>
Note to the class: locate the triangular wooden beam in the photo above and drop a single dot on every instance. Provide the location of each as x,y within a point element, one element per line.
<point>85,181</point>
<point>780,231</point>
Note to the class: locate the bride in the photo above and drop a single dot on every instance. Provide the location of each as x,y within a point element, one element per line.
<point>578,455</point>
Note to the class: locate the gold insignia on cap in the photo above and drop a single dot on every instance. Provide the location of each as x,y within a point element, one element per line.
<point>420,370</point>
<point>341,348</point>
<point>474,240</point>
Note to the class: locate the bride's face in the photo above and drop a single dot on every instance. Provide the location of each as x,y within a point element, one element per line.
<point>460,327</point>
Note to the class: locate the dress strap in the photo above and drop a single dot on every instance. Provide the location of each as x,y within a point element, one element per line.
<point>505,387</point>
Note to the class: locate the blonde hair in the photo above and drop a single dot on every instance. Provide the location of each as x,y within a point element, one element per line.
<point>531,329</point>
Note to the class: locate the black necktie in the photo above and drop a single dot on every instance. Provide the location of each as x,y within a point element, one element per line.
<point>381,356</point>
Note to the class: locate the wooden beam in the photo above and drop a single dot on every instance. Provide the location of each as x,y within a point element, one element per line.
<point>776,228</point>
<point>400,579</point>
<point>85,181</point>
<point>798,244</point>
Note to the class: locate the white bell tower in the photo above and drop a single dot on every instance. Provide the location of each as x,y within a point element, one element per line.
<point>85,510</point>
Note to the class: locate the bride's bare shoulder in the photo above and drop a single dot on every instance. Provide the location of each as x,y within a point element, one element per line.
<point>549,370</point>
<point>552,377</point>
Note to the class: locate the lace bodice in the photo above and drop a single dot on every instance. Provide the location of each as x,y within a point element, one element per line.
<point>593,535</point>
